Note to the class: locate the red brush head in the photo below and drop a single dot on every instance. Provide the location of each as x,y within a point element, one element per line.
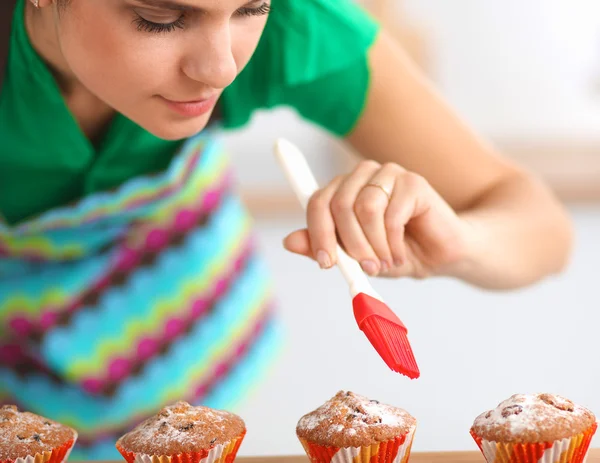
<point>386,333</point>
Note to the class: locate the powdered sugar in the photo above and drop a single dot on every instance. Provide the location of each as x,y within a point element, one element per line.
<point>521,413</point>
<point>174,423</point>
<point>356,412</point>
<point>24,433</point>
<point>182,428</point>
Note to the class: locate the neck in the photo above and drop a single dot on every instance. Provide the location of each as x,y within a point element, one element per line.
<point>41,29</point>
<point>92,115</point>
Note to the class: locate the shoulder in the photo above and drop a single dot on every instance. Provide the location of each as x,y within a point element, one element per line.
<point>307,45</point>
<point>311,38</point>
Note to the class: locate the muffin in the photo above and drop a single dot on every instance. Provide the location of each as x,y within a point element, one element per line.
<point>183,433</point>
<point>350,428</point>
<point>543,428</point>
<point>29,438</point>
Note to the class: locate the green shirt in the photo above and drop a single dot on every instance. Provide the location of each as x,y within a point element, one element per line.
<point>312,57</point>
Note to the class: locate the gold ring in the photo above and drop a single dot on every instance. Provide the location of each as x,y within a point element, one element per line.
<point>382,188</point>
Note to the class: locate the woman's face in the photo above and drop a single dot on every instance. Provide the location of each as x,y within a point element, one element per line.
<point>162,63</point>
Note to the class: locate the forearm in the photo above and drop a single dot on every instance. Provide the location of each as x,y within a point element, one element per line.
<point>510,231</point>
<point>517,233</point>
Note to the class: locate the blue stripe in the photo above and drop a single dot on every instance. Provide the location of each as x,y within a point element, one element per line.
<point>72,278</point>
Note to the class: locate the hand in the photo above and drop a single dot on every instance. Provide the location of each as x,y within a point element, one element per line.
<point>390,220</point>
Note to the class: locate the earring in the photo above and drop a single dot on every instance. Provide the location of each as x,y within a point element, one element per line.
<point>36,3</point>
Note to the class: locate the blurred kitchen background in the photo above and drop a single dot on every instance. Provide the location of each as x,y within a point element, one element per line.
<point>527,76</point>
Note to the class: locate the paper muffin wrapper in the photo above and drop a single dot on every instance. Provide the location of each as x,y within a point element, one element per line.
<point>569,450</point>
<point>392,451</point>
<point>222,453</point>
<point>57,455</point>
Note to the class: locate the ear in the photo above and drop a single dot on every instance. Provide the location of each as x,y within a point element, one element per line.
<point>41,3</point>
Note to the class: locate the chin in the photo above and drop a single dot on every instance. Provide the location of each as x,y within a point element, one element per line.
<point>169,130</point>
<point>176,133</point>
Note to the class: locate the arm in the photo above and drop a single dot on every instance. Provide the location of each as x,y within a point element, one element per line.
<point>464,211</point>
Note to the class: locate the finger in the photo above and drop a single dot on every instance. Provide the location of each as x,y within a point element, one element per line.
<point>321,226</point>
<point>298,242</point>
<point>346,222</point>
<point>370,207</point>
<point>408,201</point>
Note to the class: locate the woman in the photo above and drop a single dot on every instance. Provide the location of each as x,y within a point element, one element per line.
<point>127,277</point>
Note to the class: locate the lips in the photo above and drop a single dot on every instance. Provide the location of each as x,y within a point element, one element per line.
<point>193,108</point>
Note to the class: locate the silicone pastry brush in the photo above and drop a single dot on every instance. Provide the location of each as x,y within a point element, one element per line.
<point>383,328</point>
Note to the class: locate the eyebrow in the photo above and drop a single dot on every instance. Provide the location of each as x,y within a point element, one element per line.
<point>169,5</point>
<point>174,5</point>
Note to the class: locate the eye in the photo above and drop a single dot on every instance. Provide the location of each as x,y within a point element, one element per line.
<point>144,25</point>
<point>262,10</point>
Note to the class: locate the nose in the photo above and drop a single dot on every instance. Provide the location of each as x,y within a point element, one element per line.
<point>210,59</point>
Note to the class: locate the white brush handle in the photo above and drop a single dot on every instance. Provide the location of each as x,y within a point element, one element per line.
<point>304,184</point>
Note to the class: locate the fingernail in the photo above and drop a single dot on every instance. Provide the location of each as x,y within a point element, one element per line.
<point>370,267</point>
<point>323,259</point>
<point>384,266</point>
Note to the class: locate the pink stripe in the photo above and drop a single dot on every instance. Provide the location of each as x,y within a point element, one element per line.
<point>11,354</point>
<point>147,348</point>
<point>119,369</point>
<point>21,326</point>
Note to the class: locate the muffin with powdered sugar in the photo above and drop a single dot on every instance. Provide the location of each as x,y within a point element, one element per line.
<point>184,433</point>
<point>352,428</point>
<point>535,428</point>
<point>26,437</point>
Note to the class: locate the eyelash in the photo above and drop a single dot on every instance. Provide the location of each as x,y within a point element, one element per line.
<point>143,25</point>
<point>265,8</point>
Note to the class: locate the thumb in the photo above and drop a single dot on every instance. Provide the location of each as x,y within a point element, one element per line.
<point>298,242</point>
